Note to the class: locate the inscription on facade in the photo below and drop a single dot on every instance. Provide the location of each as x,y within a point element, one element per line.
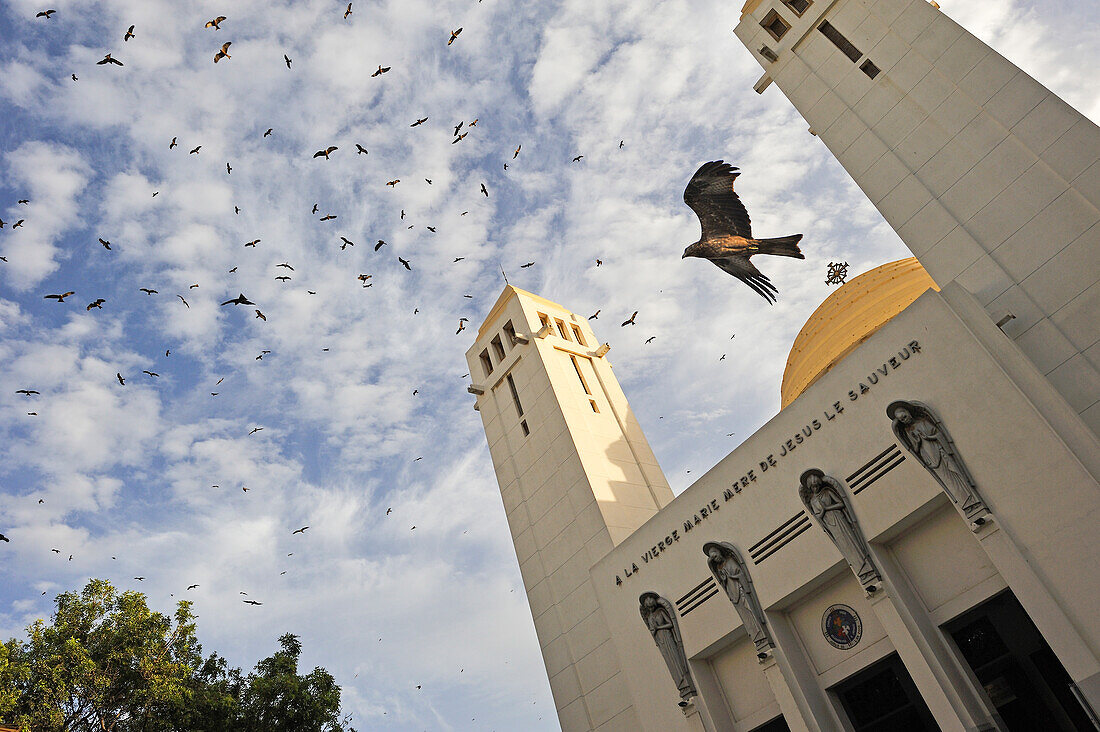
<point>785,448</point>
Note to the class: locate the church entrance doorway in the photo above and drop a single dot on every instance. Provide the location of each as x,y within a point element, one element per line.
<point>883,698</point>
<point>1024,679</point>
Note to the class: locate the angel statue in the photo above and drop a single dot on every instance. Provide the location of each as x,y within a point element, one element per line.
<point>729,569</point>
<point>826,502</point>
<point>660,618</point>
<point>923,434</point>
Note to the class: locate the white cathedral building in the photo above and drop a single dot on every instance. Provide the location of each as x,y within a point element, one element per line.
<point>913,541</point>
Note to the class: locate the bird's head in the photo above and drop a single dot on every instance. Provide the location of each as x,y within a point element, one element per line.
<point>691,251</point>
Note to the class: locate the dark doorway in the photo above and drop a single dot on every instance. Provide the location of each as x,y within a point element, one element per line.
<point>883,698</point>
<point>1024,679</point>
<point>776,725</point>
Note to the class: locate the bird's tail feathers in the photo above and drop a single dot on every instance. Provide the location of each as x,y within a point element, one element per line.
<point>783,246</point>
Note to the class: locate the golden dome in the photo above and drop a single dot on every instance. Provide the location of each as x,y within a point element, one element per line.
<point>848,317</point>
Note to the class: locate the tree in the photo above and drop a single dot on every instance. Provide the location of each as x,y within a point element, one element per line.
<point>108,663</point>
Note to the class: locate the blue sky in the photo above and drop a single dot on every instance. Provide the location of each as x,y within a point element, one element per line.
<point>128,471</point>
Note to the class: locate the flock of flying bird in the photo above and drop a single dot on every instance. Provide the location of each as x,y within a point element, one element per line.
<point>726,235</point>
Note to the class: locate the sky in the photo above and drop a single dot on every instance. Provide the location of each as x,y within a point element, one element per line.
<point>345,401</point>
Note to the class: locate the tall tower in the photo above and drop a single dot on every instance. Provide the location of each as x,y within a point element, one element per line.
<point>577,477</point>
<point>992,181</point>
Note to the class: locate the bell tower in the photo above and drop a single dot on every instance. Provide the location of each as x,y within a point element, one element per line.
<point>576,475</point>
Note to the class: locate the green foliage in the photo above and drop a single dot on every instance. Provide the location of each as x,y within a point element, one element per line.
<point>108,663</point>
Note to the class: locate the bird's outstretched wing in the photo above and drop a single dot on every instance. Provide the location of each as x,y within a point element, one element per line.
<point>710,195</point>
<point>744,270</point>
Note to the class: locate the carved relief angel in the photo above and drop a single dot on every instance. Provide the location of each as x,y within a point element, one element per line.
<point>922,433</point>
<point>826,501</point>
<point>729,569</point>
<point>660,618</point>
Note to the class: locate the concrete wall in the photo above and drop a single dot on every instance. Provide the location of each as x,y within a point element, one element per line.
<point>1045,501</point>
<point>990,179</point>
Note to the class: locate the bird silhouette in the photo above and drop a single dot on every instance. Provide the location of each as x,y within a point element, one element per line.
<point>252,602</point>
<point>454,35</point>
<point>325,153</point>
<point>121,378</point>
<point>726,238</point>
<point>148,291</point>
<point>393,183</point>
<point>419,122</point>
<point>577,159</point>
<point>129,34</point>
<point>405,263</point>
<point>45,14</point>
<point>381,70</point>
<point>299,531</point>
<point>379,245</point>
<point>347,12</point>
<point>327,217</point>
<point>59,298</point>
<point>97,303</point>
<point>268,132</point>
<point>191,587</point>
<point>594,315</point>
<point>108,59</point>
<point>151,374</point>
<point>288,60</point>
<point>261,316</point>
<point>27,392</point>
<point>347,243</point>
<point>196,150</point>
<point>484,190</point>
<point>239,300</point>
<point>360,150</point>
<point>630,320</point>
<point>215,23</point>
<point>223,52</point>
<point>106,244</point>
<point>184,301</point>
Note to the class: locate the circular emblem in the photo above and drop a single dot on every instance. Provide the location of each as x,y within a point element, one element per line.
<point>842,627</point>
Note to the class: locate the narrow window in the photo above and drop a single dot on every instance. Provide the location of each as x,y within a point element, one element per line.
<point>545,319</point>
<point>577,333</point>
<point>798,6</point>
<point>486,362</point>
<point>498,349</point>
<point>510,332</point>
<point>523,426</point>
<point>775,25</point>
<point>577,368</point>
<point>562,330</point>
<point>839,40</point>
<point>869,68</point>
<point>515,394</point>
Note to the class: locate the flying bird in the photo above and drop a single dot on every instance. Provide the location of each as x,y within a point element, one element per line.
<point>577,159</point>
<point>461,325</point>
<point>454,35</point>
<point>379,245</point>
<point>184,301</point>
<point>282,278</point>
<point>27,392</point>
<point>108,59</point>
<point>191,587</point>
<point>252,602</point>
<point>228,169</point>
<point>253,243</point>
<point>106,244</point>
<point>621,143</point>
<point>347,243</point>
<point>255,430</point>
<point>196,150</point>
<point>405,263</point>
<point>347,12</point>
<point>261,316</point>
<point>381,70</point>
<point>419,122</point>
<point>44,14</point>
<point>288,60</point>
<point>726,237</point>
<point>458,127</point>
<point>121,379</point>
<point>393,183</point>
<point>129,34</point>
<point>516,153</point>
<point>360,150</point>
<point>140,579</point>
<point>459,138</point>
<point>594,316</point>
<point>224,52</point>
<point>215,23</point>
<point>59,298</point>
<point>327,217</point>
<point>285,265</point>
<point>151,374</point>
<point>239,300</point>
<point>649,340</point>
<point>299,531</point>
<point>268,132</point>
<point>325,153</point>
<point>148,291</point>
<point>484,190</point>
<point>18,224</point>
<point>97,303</point>
<point>630,320</point>
<point>525,266</point>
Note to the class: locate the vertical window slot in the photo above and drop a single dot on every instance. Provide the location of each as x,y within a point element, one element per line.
<point>577,333</point>
<point>577,368</point>
<point>515,394</point>
<point>498,348</point>
<point>846,47</point>
<point>510,332</point>
<point>486,362</point>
